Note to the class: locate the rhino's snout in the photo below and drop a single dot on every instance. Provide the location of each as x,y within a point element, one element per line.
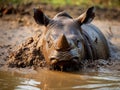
<point>54,61</point>
<point>59,57</point>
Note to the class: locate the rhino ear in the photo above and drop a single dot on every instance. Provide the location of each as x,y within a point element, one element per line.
<point>87,17</point>
<point>40,17</point>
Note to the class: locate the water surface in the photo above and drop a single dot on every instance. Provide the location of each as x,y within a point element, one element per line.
<point>55,80</point>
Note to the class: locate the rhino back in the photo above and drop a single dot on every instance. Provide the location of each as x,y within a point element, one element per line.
<point>98,40</point>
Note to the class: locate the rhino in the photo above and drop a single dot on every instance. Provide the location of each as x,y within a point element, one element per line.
<point>67,41</point>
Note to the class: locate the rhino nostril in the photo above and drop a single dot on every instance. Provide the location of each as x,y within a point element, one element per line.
<point>77,58</point>
<point>52,58</point>
<point>53,61</point>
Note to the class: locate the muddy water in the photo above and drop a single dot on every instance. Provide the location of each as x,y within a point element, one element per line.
<point>52,80</point>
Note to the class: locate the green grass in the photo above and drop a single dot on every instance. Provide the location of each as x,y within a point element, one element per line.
<point>67,2</point>
<point>100,3</point>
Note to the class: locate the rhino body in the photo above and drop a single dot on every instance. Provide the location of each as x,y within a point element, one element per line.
<point>67,41</point>
<point>98,41</point>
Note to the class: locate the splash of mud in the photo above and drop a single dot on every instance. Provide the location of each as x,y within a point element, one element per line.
<point>27,54</point>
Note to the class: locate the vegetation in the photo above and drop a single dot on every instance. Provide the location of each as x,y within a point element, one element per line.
<point>100,3</point>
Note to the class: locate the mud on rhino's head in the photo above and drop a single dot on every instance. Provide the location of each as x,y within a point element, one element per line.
<point>63,43</point>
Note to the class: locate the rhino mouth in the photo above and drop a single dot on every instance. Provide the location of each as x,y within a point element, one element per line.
<point>66,59</point>
<point>62,62</point>
<point>64,65</point>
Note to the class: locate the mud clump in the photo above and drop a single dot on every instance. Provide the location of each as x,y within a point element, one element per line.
<point>27,54</point>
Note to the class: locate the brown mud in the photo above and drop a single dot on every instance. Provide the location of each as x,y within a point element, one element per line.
<point>20,36</point>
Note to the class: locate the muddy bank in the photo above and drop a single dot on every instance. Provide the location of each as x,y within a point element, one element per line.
<point>20,39</point>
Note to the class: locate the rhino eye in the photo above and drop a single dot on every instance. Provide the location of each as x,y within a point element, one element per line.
<point>79,44</point>
<point>49,43</point>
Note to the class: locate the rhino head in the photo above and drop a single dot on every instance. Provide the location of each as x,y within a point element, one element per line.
<point>63,42</point>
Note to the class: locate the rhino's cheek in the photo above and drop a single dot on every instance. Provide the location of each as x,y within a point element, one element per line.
<point>81,51</point>
<point>47,52</point>
<point>77,53</point>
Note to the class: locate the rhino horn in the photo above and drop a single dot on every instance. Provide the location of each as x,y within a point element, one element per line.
<point>62,43</point>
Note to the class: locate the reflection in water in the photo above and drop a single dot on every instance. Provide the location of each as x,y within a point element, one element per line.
<point>52,80</point>
<point>93,86</point>
<point>28,85</point>
<point>30,82</point>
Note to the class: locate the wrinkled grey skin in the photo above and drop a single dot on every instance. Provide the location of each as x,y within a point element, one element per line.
<point>67,41</point>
